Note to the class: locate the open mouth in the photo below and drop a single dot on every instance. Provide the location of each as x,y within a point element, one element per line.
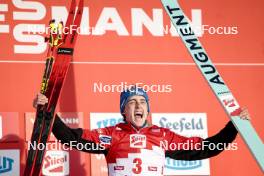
<point>138,115</point>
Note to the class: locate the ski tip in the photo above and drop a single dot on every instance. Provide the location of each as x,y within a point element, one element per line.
<point>80,7</point>
<point>73,5</point>
<point>52,21</point>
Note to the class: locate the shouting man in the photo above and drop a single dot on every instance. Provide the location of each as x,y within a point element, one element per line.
<point>134,147</point>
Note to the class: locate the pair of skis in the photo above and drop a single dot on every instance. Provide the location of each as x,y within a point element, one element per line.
<point>224,95</point>
<point>62,40</point>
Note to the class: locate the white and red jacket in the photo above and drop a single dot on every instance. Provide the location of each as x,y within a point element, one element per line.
<point>129,151</point>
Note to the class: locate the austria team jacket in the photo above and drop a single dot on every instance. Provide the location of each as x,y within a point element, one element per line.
<point>130,151</point>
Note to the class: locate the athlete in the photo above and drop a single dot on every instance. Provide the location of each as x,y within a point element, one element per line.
<point>134,147</point>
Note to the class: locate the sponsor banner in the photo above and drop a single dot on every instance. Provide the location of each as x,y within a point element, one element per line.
<point>56,163</point>
<point>186,124</point>
<point>9,162</point>
<point>24,23</point>
<point>101,120</point>
<point>9,127</point>
<point>71,119</point>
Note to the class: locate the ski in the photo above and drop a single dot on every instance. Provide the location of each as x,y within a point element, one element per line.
<point>55,71</point>
<point>64,56</point>
<point>44,85</point>
<point>220,89</point>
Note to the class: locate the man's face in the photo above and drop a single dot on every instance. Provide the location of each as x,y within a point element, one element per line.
<point>136,110</point>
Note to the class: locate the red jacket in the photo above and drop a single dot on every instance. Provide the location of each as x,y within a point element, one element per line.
<point>130,151</point>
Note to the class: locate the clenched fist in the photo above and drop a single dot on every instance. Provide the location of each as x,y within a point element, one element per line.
<point>40,99</point>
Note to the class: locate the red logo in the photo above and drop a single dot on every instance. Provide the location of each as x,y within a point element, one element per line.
<point>236,112</point>
<point>138,141</point>
<point>152,168</point>
<point>119,168</point>
<point>56,162</point>
<point>229,102</point>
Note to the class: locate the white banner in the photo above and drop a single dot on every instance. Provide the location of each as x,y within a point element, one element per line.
<point>9,163</point>
<point>185,124</point>
<point>102,120</point>
<point>56,163</point>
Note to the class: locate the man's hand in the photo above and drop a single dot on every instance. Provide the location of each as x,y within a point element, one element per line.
<point>40,99</point>
<point>244,114</point>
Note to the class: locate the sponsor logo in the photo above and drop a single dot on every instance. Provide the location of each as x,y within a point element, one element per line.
<point>231,104</point>
<point>182,124</point>
<point>30,32</point>
<point>119,168</point>
<point>152,168</point>
<point>67,51</point>
<point>224,92</point>
<point>9,162</point>
<point>56,163</point>
<point>108,122</point>
<point>195,47</point>
<point>185,124</point>
<point>182,165</point>
<point>236,112</point>
<point>138,141</point>
<point>6,164</point>
<point>105,139</point>
<point>71,119</point>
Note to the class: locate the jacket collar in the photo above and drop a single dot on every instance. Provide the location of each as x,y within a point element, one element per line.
<point>129,126</point>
